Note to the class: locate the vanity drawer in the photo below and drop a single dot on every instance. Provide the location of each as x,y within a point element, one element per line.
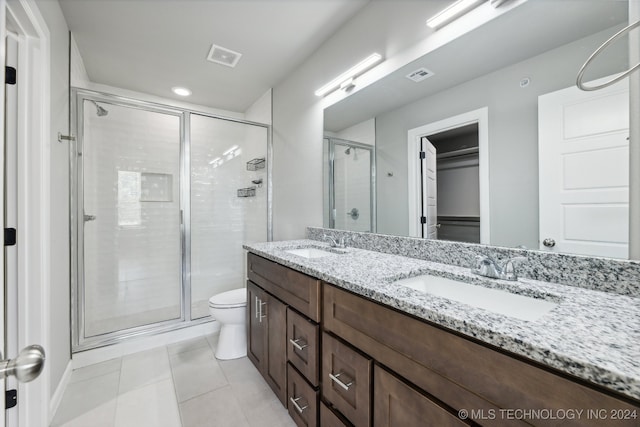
<point>346,380</point>
<point>328,418</point>
<point>303,341</point>
<point>302,401</point>
<point>397,404</point>
<point>460,372</point>
<point>296,289</point>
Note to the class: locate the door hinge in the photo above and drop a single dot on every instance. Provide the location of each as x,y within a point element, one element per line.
<point>9,75</point>
<point>10,399</point>
<point>9,236</point>
<point>423,155</point>
<point>423,220</point>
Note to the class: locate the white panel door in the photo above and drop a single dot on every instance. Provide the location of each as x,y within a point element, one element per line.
<point>584,171</point>
<point>429,190</point>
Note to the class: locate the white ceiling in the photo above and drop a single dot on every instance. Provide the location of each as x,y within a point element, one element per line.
<point>152,45</point>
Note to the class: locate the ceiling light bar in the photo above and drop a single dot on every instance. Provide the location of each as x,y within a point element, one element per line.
<point>230,150</point>
<point>351,73</point>
<point>452,12</point>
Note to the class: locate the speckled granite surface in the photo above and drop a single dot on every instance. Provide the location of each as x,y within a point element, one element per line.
<point>591,334</point>
<point>603,274</point>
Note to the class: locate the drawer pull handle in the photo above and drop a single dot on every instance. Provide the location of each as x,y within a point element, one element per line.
<point>336,379</point>
<point>299,408</point>
<point>298,346</point>
<point>257,305</point>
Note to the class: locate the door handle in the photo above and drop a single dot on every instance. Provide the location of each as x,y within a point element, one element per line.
<point>89,218</point>
<point>26,367</point>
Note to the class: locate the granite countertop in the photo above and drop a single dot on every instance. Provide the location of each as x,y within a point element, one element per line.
<point>591,334</point>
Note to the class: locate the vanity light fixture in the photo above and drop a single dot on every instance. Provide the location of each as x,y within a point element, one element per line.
<point>452,12</point>
<point>350,74</point>
<point>182,91</point>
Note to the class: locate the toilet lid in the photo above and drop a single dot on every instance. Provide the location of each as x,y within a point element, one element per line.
<point>229,299</point>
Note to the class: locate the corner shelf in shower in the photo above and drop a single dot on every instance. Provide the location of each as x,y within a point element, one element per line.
<point>256,164</point>
<point>247,192</point>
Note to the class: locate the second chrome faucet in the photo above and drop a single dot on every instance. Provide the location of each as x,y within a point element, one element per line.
<point>488,267</point>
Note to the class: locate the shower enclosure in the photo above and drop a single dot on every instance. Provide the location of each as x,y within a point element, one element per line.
<point>162,200</point>
<point>350,194</point>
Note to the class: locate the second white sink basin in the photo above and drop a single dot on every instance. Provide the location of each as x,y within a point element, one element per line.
<point>495,300</point>
<point>310,252</point>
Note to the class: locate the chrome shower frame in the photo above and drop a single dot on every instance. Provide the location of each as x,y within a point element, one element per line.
<point>332,142</point>
<point>76,238</point>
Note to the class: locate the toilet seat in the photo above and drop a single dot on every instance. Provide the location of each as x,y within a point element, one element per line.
<point>230,299</point>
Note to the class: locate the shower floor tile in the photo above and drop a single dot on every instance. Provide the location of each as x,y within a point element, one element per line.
<point>180,385</point>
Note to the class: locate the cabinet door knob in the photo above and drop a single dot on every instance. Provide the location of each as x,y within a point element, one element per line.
<point>294,402</point>
<point>298,346</point>
<point>548,242</point>
<point>336,379</point>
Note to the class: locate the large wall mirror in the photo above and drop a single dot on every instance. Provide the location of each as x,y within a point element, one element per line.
<point>514,154</point>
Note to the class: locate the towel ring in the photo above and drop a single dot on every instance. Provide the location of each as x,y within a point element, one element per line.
<point>597,52</point>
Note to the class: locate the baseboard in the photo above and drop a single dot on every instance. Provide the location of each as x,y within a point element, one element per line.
<point>142,343</point>
<point>56,398</point>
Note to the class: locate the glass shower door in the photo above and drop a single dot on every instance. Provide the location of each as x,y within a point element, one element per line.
<point>130,210</point>
<point>229,186</point>
<point>351,186</point>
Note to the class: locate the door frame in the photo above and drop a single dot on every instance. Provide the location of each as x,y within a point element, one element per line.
<point>479,116</point>
<point>34,137</point>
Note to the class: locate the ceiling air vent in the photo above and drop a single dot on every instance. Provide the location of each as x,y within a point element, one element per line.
<point>419,74</point>
<point>223,56</point>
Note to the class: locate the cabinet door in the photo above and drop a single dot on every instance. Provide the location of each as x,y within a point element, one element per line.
<point>275,373</point>
<point>397,404</point>
<point>256,327</point>
<point>346,380</point>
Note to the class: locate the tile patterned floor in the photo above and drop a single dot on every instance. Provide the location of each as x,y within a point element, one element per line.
<point>180,385</point>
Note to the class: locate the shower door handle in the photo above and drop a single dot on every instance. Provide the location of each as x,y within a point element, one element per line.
<point>89,218</point>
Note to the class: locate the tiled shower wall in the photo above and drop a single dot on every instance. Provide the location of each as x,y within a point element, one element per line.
<point>220,220</point>
<point>132,248</point>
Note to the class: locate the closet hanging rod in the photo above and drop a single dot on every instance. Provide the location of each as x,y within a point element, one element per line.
<point>604,45</point>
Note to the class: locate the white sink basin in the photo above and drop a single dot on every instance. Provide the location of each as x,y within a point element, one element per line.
<point>495,300</point>
<point>310,252</point>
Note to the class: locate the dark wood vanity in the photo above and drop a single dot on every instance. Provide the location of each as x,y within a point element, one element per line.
<point>335,358</point>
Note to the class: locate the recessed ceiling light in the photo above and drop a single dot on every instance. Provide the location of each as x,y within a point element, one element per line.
<point>452,12</point>
<point>182,91</point>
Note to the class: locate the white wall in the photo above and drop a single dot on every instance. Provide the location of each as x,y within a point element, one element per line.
<point>363,132</point>
<point>59,353</point>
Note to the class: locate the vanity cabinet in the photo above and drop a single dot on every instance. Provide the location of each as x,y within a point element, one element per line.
<point>283,341</point>
<point>448,372</point>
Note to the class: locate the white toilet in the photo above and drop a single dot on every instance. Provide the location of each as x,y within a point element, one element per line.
<point>230,308</point>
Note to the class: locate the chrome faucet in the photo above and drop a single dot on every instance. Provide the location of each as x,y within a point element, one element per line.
<point>488,267</point>
<point>335,243</point>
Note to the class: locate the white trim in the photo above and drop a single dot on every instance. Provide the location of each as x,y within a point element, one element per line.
<point>56,397</point>
<point>479,116</point>
<point>33,214</point>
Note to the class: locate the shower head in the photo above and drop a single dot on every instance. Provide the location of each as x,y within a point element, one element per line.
<point>99,110</point>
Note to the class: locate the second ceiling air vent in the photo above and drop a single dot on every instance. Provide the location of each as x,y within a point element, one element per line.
<point>420,74</point>
<point>223,56</point>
